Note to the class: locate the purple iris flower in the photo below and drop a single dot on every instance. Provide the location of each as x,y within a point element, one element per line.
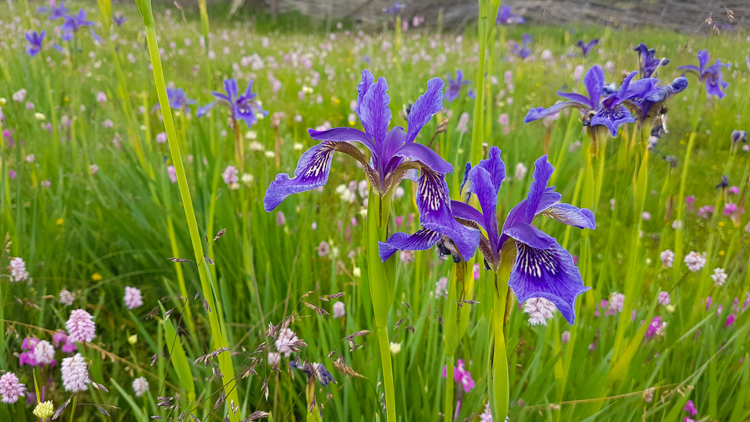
<point>504,17</point>
<point>395,9</point>
<point>649,64</point>
<point>604,105</point>
<point>454,86</point>
<point>711,75</point>
<point>119,20</point>
<point>647,102</point>
<point>55,12</point>
<point>243,107</point>
<point>586,48</point>
<point>35,42</point>
<point>394,155</point>
<point>74,23</point>
<point>524,51</point>
<point>542,267</point>
<point>178,100</point>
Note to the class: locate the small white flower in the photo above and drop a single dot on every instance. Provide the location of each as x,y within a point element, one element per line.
<point>539,310</point>
<point>395,348</point>
<point>695,261</point>
<point>719,277</point>
<point>667,258</point>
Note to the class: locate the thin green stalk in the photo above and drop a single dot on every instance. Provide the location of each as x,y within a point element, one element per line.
<point>450,335</point>
<point>697,109</point>
<point>380,281</point>
<point>500,387</point>
<point>218,337</point>
<point>478,115</point>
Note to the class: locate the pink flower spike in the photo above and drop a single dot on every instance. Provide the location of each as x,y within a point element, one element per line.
<point>81,327</point>
<point>690,408</point>
<point>10,388</point>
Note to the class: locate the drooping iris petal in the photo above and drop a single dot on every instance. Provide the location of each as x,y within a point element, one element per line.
<point>612,118</point>
<point>312,171</point>
<point>374,111</point>
<point>549,273</point>
<point>205,109</point>
<point>571,215</point>
<point>426,106</point>
<point>434,206</point>
<point>538,113</point>
<point>422,240</point>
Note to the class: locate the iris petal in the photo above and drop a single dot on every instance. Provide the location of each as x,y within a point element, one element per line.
<point>422,240</point>
<point>549,273</point>
<point>426,106</point>
<point>374,112</point>
<point>312,171</point>
<point>572,216</point>
<point>435,213</point>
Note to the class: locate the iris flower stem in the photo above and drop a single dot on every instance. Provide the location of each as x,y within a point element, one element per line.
<point>218,337</point>
<point>239,152</point>
<point>500,388</point>
<point>477,128</point>
<point>450,388</point>
<point>697,109</point>
<point>450,335</point>
<point>488,82</point>
<point>380,279</point>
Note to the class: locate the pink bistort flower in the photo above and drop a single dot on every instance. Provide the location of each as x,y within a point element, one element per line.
<point>81,327</point>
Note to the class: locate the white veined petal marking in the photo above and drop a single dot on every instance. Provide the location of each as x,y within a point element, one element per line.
<point>430,191</point>
<point>320,160</point>
<point>531,260</point>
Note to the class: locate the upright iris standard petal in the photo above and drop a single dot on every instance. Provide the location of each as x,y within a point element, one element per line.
<point>547,272</point>
<point>486,193</point>
<point>542,173</point>
<point>374,111</point>
<point>364,85</point>
<point>593,80</point>
<point>426,106</point>
<point>495,167</point>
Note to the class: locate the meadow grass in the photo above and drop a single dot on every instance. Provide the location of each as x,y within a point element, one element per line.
<point>94,231</point>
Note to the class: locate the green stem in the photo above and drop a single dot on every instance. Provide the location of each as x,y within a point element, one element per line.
<point>451,336</point>
<point>500,388</point>
<point>697,109</point>
<point>73,408</point>
<point>478,128</point>
<point>379,278</point>
<point>450,387</point>
<point>218,337</point>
